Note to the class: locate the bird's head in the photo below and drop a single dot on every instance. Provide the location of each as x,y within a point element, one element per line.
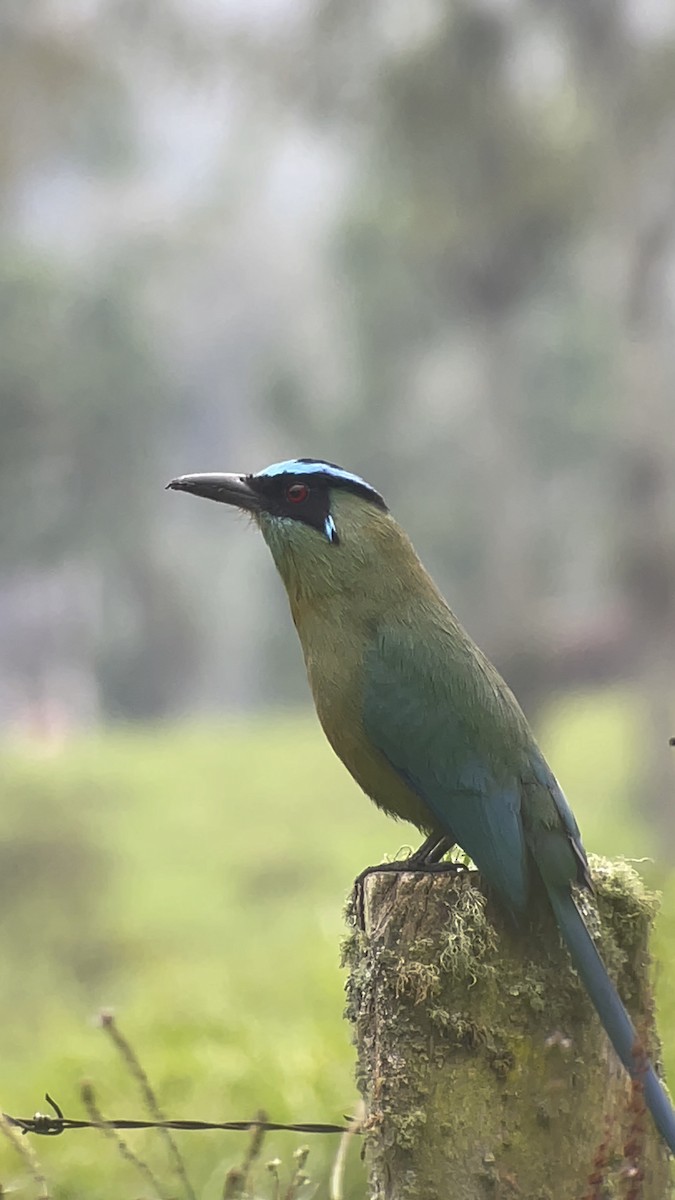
<point>323,525</point>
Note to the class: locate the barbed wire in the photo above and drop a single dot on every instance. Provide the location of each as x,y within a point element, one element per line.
<point>46,1125</point>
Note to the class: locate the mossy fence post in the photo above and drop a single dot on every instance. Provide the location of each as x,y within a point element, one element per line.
<point>484,1069</point>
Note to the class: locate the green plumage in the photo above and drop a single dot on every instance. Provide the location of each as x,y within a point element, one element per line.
<point>432,733</point>
<point>418,715</point>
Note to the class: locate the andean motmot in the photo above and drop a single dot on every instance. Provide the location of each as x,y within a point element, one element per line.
<point>417,713</point>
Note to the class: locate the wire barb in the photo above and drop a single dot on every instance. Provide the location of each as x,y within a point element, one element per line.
<point>52,1126</point>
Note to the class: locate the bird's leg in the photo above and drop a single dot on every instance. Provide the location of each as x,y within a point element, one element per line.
<point>432,851</point>
<point>425,860</point>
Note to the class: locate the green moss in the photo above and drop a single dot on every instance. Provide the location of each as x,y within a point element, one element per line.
<point>483,1040</point>
<point>421,980</point>
<point>627,910</point>
<point>619,882</point>
<point>471,938</point>
<point>409,1128</point>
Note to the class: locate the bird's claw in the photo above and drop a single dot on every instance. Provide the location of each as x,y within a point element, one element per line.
<point>404,866</point>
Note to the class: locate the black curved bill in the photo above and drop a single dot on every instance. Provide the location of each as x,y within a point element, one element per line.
<point>227,489</point>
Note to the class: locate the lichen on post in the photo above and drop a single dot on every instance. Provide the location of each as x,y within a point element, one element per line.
<point>485,1071</point>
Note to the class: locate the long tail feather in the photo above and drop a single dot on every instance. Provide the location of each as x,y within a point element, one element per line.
<point>610,1009</point>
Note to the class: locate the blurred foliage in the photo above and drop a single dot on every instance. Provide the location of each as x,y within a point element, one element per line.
<point>433,242</point>
<point>60,100</point>
<point>82,411</point>
<point>418,242</point>
<point>80,400</point>
<point>193,880</point>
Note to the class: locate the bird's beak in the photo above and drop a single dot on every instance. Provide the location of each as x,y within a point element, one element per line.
<point>228,489</point>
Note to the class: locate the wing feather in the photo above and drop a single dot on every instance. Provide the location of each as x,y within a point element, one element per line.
<point>417,720</point>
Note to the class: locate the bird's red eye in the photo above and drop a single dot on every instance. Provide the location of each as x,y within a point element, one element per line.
<point>297,492</point>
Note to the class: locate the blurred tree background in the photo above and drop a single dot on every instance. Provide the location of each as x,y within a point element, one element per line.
<point>432,242</point>
<point>436,245</point>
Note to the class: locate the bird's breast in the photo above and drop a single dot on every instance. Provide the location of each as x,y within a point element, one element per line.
<point>336,672</point>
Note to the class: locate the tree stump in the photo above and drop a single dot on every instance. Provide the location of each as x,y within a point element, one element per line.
<point>485,1071</point>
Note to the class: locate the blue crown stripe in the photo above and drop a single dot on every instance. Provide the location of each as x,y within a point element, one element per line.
<point>295,467</point>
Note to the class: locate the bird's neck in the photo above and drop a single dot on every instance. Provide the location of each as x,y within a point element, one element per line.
<point>358,583</point>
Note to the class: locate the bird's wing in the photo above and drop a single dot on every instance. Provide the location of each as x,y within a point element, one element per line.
<point>551,831</point>
<point>419,716</point>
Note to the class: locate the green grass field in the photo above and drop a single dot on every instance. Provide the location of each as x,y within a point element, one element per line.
<point>193,879</point>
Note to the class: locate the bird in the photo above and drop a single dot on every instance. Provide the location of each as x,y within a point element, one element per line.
<point>418,714</point>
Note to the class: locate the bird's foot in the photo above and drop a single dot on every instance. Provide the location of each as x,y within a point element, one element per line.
<point>425,861</point>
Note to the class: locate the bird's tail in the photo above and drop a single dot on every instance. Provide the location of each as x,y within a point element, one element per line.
<point>610,1009</point>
